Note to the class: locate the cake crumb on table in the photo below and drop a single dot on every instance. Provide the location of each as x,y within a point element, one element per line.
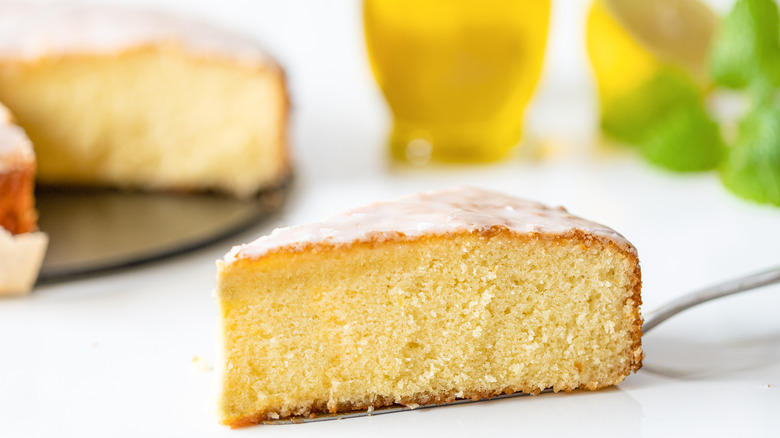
<point>201,364</point>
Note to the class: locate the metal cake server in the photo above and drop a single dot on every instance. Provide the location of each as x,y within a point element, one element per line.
<point>685,302</point>
<point>652,319</point>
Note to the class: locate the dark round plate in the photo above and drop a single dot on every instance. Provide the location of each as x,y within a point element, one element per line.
<point>93,230</point>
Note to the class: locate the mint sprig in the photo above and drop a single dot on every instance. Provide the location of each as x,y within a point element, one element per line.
<point>746,51</point>
<point>631,117</point>
<point>667,118</point>
<point>684,139</point>
<point>752,167</point>
<point>746,56</point>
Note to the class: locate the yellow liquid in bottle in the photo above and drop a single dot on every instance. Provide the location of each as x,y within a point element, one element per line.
<point>457,75</point>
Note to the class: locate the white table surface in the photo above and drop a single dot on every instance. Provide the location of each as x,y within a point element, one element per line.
<point>113,355</point>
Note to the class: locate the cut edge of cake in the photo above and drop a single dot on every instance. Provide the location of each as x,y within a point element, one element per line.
<point>253,157</point>
<point>22,256</point>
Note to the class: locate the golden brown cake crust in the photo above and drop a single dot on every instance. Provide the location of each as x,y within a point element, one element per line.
<point>17,213</point>
<point>575,235</point>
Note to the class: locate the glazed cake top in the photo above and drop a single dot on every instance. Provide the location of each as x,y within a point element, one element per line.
<point>14,145</point>
<point>438,212</point>
<point>31,30</point>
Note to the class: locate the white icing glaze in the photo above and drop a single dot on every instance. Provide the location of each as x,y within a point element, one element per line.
<point>14,144</point>
<point>32,30</point>
<point>446,211</point>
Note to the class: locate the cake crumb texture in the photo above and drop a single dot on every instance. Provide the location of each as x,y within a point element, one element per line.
<point>428,319</point>
<point>152,118</point>
<point>21,256</point>
<point>116,97</point>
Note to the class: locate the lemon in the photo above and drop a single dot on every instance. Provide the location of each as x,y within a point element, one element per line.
<point>630,42</point>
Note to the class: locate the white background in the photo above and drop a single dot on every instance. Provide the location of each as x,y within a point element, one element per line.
<point>112,355</point>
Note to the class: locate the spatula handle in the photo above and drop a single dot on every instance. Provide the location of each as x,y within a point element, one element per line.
<point>692,299</point>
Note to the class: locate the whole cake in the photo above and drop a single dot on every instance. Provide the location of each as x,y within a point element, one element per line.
<point>460,293</point>
<point>21,247</point>
<point>117,97</point>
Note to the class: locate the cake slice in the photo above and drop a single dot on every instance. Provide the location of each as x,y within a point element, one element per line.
<point>112,96</point>
<point>460,293</point>
<point>21,247</point>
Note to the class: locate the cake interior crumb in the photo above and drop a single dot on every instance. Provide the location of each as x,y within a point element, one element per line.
<point>423,321</point>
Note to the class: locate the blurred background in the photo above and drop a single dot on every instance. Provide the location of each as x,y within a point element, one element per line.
<point>337,103</point>
<point>690,231</point>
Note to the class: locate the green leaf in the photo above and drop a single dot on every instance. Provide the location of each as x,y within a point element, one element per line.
<point>746,50</point>
<point>632,116</point>
<point>752,166</point>
<point>684,139</point>
<point>666,118</point>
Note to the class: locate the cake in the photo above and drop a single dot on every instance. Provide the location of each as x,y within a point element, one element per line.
<point>122,98</point>
<point>21,246</point>
<point>430,298</point>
